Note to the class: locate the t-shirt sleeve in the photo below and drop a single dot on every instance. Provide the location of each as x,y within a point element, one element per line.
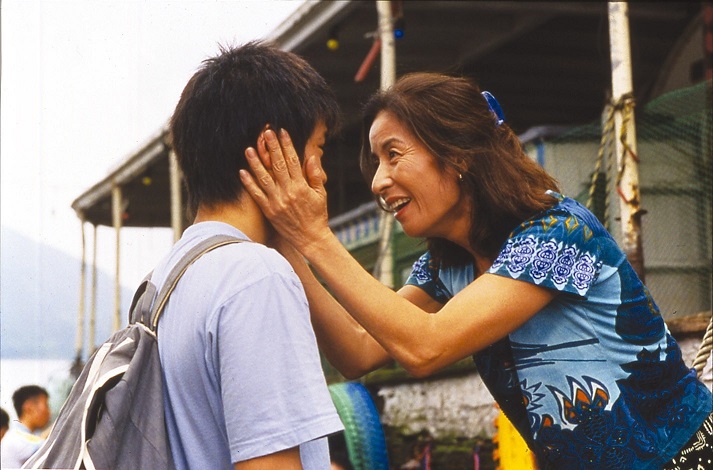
<point>557,251</point>
<point>274,393</point>
<point>424,275</point>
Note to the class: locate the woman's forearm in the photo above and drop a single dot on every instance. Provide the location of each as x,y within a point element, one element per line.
<point>423,342</point>
<point>345,344</point>
<point>369,301</point>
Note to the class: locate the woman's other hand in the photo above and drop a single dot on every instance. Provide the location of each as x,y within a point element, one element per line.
<point>294,202</point>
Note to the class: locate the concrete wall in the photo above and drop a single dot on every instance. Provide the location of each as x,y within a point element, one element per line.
<point>459,406</point>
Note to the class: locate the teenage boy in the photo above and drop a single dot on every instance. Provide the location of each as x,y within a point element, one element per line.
<point>244,386</point>
<point>31,403</point>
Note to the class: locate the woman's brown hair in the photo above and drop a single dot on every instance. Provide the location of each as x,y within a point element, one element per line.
<point>452,119</point>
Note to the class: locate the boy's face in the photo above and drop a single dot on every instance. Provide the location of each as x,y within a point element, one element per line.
<point>315,145</point>
<point>36,412</point>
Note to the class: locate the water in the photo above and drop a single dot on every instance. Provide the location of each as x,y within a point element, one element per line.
<point>52,374</point>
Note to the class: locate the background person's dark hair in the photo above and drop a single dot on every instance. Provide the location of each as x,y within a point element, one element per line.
<point>226,105</point>
<point>4,419</point>
<point>452,119</point>
<point>25,393</point>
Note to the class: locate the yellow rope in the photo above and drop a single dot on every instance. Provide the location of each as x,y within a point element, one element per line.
<point>699,362</point>
<point>626,106</point>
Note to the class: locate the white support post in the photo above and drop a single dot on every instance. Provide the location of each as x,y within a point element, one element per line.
<point>622,88</point>
<point>79,344</point>
<point>116,206</point>
<point>384,267</point>
<point>388,46</point>
<point>176,202</point>
<point>93,306</point>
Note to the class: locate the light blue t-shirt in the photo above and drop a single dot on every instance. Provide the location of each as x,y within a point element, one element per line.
<point>242,372</point>
<point>594,379</point>
<point>18,445</point>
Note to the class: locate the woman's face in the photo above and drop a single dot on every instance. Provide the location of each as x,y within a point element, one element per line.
<point>427,201</point>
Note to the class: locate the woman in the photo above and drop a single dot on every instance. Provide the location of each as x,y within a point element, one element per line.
<point>564,334</point>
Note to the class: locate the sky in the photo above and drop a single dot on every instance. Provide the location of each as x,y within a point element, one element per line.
<point>84,84</point>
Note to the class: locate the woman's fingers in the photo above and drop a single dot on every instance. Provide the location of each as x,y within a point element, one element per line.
<point>258,167</point>
<point>292,159</point>
<point>279,165</point>
<point>275,168</point>
<point>259,185</point>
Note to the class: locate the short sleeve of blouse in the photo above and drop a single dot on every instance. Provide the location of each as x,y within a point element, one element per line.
<point>557,250</point>
<point>424,275</point>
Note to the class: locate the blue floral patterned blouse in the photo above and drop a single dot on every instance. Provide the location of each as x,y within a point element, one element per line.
<point>593,380</point>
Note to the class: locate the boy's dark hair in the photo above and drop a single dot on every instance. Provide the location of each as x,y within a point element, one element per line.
<point>228,102</point>
<point>25,393</point>
<point>4,419</point>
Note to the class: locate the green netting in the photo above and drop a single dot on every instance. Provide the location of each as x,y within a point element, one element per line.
<point>673,135</point>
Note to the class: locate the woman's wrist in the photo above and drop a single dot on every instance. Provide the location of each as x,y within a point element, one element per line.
<point>318,248</point>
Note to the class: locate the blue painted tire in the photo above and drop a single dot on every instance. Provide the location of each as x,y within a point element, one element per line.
<point>366,444</point>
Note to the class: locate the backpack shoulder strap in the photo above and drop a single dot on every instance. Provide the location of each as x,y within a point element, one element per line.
<point>175,274</point>
<point>138,312</point>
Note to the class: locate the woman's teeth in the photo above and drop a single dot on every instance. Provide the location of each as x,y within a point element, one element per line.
<point>398,204</point>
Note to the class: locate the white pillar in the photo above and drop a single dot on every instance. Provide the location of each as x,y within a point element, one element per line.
<point>116,206</point>
<point>388,49</point>
<point>384,267</point>
<point>622,87</point>
<point>79,344</point>
<point>176,202</point>
<point>92,344</point>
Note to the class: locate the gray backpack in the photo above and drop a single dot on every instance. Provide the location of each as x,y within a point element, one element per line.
<point>113,417</point>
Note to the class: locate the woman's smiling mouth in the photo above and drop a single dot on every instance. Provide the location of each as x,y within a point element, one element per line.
<point>398,204</point>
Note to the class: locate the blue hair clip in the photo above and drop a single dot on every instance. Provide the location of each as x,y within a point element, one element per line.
<point>494,107</point>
